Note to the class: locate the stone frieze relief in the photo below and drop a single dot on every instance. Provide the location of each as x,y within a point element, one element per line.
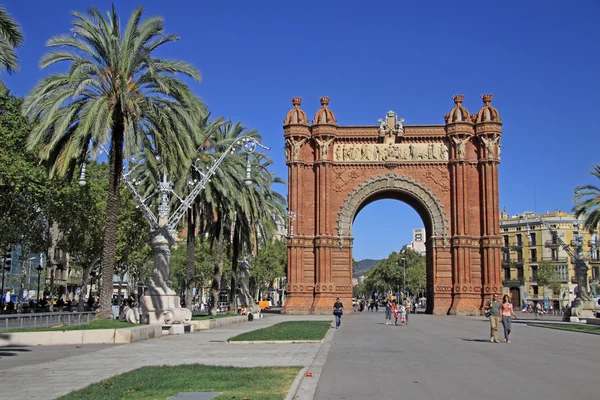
<point>347,152</point>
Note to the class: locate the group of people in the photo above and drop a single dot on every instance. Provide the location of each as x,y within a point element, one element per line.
<point>397,310</point>
<point>500,311</point>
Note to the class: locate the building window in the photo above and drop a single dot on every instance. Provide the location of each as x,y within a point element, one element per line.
<point>520,256</point>
<point>534,274</point>
<point>507,274</point>
<point>562,272</point>
<point>520,275</point>
<point>595,272</point>
<point>519,240</point>
<point>505,240</point>
<point>532,239</point>
<point>535,291</point>
<point>533,257</point>
<point>554,254</point>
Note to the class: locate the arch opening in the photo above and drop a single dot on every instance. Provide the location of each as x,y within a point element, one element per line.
<point>412,193</point>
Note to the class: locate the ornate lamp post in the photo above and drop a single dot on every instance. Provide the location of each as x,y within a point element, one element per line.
<point>161,303</point>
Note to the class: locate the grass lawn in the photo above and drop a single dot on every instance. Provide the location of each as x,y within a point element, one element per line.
<point>204,317</point>
<point>293,330</point>
<point>266,383</point>
<point>95,324</point>
<point>593,329</point>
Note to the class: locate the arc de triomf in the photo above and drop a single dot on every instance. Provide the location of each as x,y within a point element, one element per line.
<point>448,173</point>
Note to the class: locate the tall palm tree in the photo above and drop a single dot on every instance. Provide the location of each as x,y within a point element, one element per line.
<point>587,198</point>
<point>10,38</point>
<point>219,195</point>
<point>115,91</point>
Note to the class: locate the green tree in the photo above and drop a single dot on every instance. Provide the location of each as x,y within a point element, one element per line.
<point>270,263</point>
<point>80,214</point>
<point>587,199</point>
<point>133,234</point>
<point>24,185</point>
<point>10,38</point>
<point>204,262</point>
<point>115,91</point>
<point>547,277</point>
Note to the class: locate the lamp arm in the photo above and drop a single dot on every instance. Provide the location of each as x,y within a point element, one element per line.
<point>138,199</point>
<point>248,146</point>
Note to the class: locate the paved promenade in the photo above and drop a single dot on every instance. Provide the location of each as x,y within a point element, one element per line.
<point>48,380</point>
<point>448,358</point>
<point>433,358</point>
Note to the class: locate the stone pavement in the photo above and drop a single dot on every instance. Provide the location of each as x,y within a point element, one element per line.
<point>433,358</point>
<point>447,358</point>
<point>48,380</point>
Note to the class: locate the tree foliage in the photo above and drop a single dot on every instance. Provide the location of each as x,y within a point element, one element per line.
<point>587,199</point>
<point>388,274</point>
<point>23,184</point>
<point>270,263</point>
<point>11,37</point>
<point>547,276</point>
<point>115,91</point>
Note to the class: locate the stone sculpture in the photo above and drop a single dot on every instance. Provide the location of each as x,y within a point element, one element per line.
<point>295,147</point>
<point>391,152</point>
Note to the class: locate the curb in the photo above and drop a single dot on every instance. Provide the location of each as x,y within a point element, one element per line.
<point>275,341</point>
<point>307,388</point>
<point>296,384</point>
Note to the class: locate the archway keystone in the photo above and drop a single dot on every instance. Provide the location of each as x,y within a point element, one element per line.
<point>448,173</point>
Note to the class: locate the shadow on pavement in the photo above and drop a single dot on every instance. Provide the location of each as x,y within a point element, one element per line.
<point>477,340</point>
<point>10,351</point>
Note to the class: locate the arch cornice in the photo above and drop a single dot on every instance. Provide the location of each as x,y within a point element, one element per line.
<point>387,182</point>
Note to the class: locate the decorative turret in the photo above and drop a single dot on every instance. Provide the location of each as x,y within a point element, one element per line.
<point>324,115</point>
<point>296,115</point>
<point>459,113</point>
<point>487,112</point>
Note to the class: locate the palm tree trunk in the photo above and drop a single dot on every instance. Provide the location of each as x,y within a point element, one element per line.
<point>218,272</point>
<point>83,293</point>
<point>235,253</point>
<point>115,163</point>
<point>190,261</point>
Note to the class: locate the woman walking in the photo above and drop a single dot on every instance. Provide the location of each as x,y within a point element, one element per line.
<point>388,312</point>
<point>507,312</point>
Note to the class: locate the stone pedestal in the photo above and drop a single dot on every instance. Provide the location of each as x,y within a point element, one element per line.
<point>161,303</point>
<point>165,309</point>
<point>583,309</point>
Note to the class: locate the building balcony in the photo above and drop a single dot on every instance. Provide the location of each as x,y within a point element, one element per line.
<point>534,260</point>
<point>513,282</point>
<point>553,244</point>
<point>558,259</point>
<point>506,263</point>
<point>532,243</point>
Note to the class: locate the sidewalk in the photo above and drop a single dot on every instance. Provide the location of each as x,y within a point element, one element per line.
<point>56,378</point>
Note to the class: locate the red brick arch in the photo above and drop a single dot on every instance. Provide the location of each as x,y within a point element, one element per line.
<point>447,173</point>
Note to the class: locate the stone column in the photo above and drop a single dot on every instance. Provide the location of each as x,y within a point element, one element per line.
<point>298,297</point>
<point>460,134</point>
<point>488,138</point>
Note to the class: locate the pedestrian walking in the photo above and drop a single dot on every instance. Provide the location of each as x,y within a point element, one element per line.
<point>338,310</point>
<point>403,316</point>
<point>388,312</point>
<point>507,314</point>
<point>395,310</point>
<point>492,310</point>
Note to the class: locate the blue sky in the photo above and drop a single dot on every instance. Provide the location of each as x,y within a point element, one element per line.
<point>541,59</point>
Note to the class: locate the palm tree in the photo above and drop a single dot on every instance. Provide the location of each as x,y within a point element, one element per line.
<point>587,198</point>
<point>116,92</point>
<point>10,38</point>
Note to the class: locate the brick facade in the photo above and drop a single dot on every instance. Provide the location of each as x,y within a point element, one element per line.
<point>447,173</point>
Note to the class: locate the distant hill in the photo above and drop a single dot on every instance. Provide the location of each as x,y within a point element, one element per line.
<point>363,266</point>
